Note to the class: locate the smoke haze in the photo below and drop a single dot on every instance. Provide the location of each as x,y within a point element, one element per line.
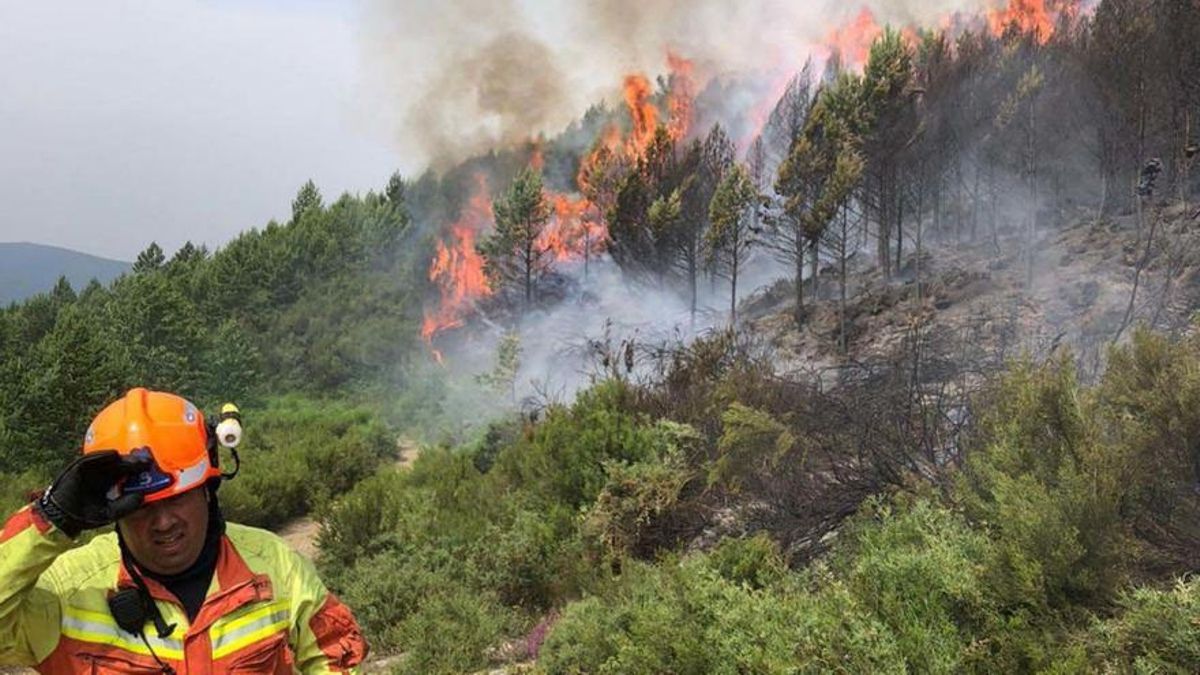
<point>459,78</point>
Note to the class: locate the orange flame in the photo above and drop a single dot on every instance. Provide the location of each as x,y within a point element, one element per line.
<point>853,41</point>
<point>571,234</point>
<point>1029,17</point>
<point>681,98</point>
<point>457,267</point>
<point>576,229</point>
<point>536,159</point>
<point>641,110</point>
<point>644,113</point>
<point>1038,18</point>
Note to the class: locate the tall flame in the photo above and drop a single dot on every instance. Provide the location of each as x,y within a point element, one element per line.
<point>571,234</point>
<point>576,229</point>
<point>457,267</point>
<point>1030,17</point>
<point>642,112</point>
<point>681,98</point>
<point>853,40</point>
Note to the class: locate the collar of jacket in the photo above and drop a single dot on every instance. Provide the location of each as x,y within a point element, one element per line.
<point>237,585</point>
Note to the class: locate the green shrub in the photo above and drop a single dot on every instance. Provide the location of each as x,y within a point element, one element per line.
<point>361,523</point>
<point>754,562</point>
<point>531,558</point>
<point>751,445</point>
<point>387,588</point>
<point>917,570</point>
<point>452,632</point>
<point>686,618</point>
<point>1150,409</point>
<point>633,497</point>
<point>299,454</point>
<point>1156,632</point>
<point>562,460</point>
<point>1048,491</point>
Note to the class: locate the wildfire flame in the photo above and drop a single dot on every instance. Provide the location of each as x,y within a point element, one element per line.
<point>577,229</point>
<point>1030,17</point>
<point>571,234</point>
<point>457,267</point>
<point>853,41</point>
<point>642,111</point>
<point>681,98</point>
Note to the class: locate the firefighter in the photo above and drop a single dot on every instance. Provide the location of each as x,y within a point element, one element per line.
<point>174,589</point>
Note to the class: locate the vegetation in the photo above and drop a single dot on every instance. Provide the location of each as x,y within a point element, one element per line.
<point>933,509</point>
<point>320,308</point>
<point>1027,552</point>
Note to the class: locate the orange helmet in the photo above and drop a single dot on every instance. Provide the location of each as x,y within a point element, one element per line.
<point>164,427</point>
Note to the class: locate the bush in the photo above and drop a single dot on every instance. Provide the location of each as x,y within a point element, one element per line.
<point>917,570</point>
<point>562,459</point>
<point>754,562</point>
<point>1156,632</point>
<point>751,446</point>
<point>1149,399</point>
<point>357,526</point>
<point>684,617</point>
<point>634,496</point>
<point>452,632</point>
<point>532,558</point>
<point>1048,490</point>
<point>300,453</point>
<point>386,589</point>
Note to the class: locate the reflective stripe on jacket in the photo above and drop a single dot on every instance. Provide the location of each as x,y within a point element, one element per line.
<point>266,610</point>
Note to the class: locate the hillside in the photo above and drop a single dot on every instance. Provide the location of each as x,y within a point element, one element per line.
<point>905,380</point>
<point>27,269</point>
<point>1076,294</point>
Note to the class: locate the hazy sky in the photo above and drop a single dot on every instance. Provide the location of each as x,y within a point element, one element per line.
<point>126,121</point>
<point>123,121</point>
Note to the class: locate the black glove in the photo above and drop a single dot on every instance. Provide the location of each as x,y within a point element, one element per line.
<point>78,499</point>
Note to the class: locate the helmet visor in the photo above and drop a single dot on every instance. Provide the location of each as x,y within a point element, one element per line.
<point>150,481</point>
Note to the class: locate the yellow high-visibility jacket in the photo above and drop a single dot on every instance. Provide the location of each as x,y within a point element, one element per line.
<point>266,610</point>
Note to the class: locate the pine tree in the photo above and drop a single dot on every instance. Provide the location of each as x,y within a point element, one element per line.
<point>885,99</point>
<point>515,254</point>
<point>394,192</point>
<point>730,239</point>
<point>307,199</point>
<point>149,260</point>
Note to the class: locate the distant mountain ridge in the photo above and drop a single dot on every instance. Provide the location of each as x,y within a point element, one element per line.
<point>28,269</point>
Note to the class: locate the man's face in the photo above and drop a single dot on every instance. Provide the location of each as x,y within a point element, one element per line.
<point>166,537</point>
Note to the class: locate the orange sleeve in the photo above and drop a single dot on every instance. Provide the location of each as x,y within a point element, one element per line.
<point>327,639</point>
<point>337,636</point>
<point>29,604</point>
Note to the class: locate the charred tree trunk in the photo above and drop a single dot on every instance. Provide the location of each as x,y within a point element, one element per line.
<point>798,313</point>
<point>528,272</point>
<point>814,263</point>
<point>842,280</point>
<point>733,279</point>
<point>692,283</point>
<point>1139,267</point>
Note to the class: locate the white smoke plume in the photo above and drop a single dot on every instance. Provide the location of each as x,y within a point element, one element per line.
<point>461,77</point>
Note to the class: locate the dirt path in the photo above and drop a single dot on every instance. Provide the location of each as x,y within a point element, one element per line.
<point>301,533</point>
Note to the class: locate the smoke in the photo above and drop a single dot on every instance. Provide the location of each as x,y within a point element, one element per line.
<point>466,77</point>
<point>563,345</point>
<point>462,77</point>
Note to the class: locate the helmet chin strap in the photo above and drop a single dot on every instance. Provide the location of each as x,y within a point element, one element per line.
<point>150,609</point>
<point>133,607</point>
